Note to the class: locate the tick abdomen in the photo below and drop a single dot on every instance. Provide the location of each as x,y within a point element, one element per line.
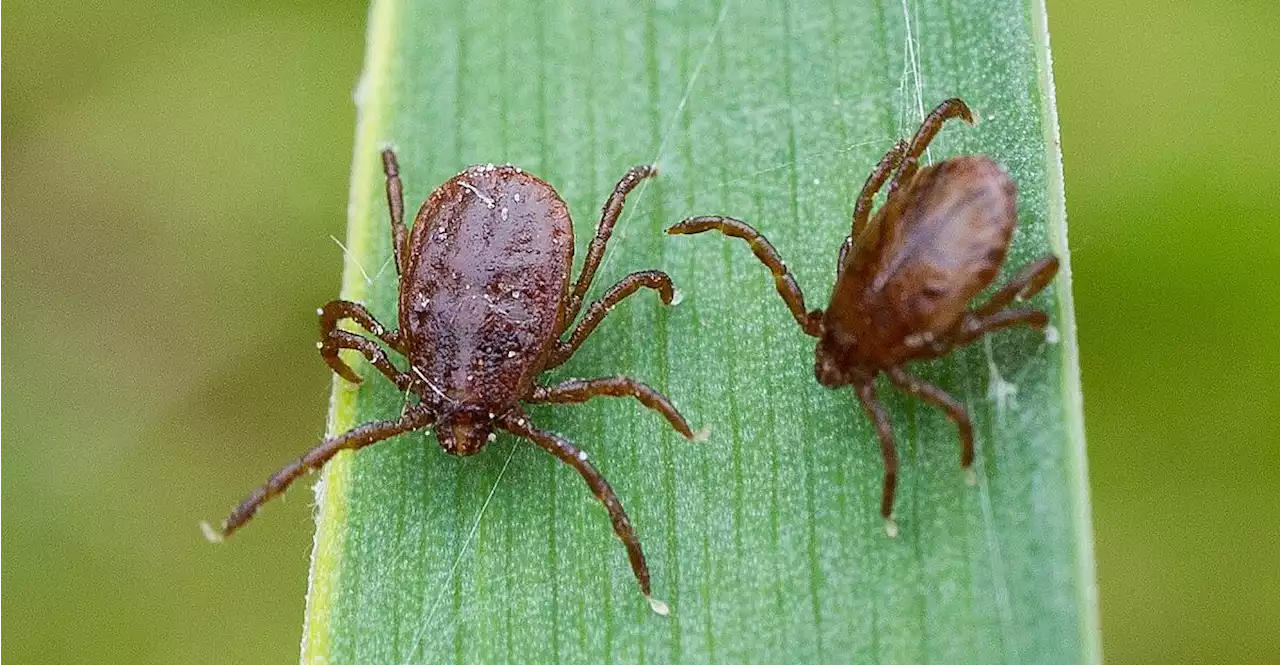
<point>942,239</point>
<point>487,256</point>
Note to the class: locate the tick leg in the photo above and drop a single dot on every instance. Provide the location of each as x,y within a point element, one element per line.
<point>862,209</point>
<point>596,311</point>
<point>951,108</point>
<point>341,339</point>
<point>314,459</point>
<point>1029,281</point>
<point>576,391</point>
<point>974,327</point>
<point>810,322</point>
<point>395,204</point>
<point>608,217</point>
<point>337,310</point>
<point>518,424</point>
<point>939,398</point>
<point>888,450</point>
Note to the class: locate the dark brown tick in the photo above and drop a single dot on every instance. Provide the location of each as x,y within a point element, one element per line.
<point>484,303</point>
<point>902,294</point>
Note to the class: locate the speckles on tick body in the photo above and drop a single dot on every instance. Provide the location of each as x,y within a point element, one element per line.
<point>471,188</point>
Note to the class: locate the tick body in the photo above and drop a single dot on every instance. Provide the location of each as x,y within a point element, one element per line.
<point>905,277</point>
<point>485,303</point>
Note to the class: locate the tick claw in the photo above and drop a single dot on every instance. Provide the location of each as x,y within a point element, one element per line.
<point>701,434</point>
<point>891,527</point>
<point>658,606</point>
<point>210,534</point>
<point>970,477</point>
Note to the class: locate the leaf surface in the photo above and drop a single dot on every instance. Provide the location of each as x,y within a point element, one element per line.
<point>766,540</point>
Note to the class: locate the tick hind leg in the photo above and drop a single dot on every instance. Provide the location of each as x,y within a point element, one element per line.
<point>337,310</point>
<point>939,398</point>
<point>974,328</point>
<point>786,285</point>
<point>518,424</point>
<point>1028,282</point>
<point>993,315</point>
<point>314,459</point>
<point>888,451</point>
<point>596,311</point>
<point>575,391</point>
<point>604,229</point>
<point>929,128</point>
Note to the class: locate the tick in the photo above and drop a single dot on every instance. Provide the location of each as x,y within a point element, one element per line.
<point>485,301</point>
<point>905,276</point>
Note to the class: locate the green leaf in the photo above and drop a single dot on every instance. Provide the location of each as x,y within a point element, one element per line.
<point>766,540</point>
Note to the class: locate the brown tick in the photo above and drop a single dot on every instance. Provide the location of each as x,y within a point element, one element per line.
<point>904,279</point>
<point>484,303</point>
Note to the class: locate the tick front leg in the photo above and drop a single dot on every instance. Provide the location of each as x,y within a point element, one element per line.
<point>1029,281</point>
<point>395,204</point>
<point>518,424</point>
<point>575,391</point>
<point>810,322</point>
<point>315,458</point>
<point>596,311</point>
<point>951,108</point>
<point>939,398</point>
<point>608,217</point>
<point>862,209</point>
<point>337,310</point>
<point>888,451</point>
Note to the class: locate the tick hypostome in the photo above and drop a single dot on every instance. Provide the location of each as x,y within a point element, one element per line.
<point>485,301</point>
<point>905,276</point>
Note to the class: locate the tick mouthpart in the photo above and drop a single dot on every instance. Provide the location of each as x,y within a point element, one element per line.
<point>464,433</point>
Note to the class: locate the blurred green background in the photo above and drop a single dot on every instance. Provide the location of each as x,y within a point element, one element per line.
<point>176,171</point>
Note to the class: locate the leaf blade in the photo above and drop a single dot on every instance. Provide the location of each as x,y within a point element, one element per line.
<point>762,114</point>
